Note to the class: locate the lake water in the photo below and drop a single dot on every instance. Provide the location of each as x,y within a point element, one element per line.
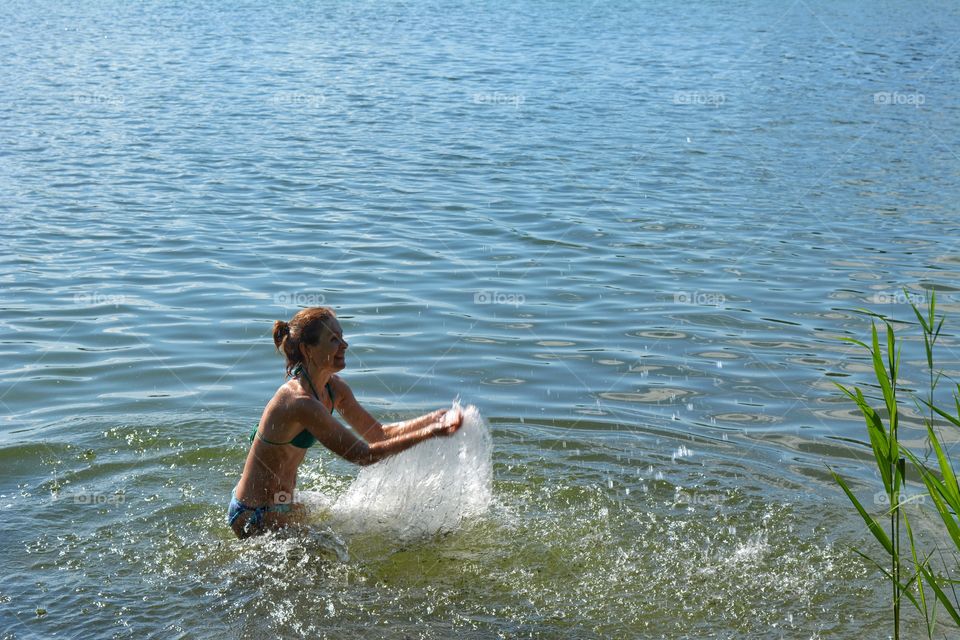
<point>631,233</point>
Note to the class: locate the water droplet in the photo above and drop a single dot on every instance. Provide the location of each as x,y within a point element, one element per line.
<point>681,452</point>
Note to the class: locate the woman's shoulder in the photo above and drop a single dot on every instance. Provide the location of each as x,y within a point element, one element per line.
<point>292,389</point>
<point>339,384</point>
<point>290,406</point>
<point>340,387</point>
<point>287,397</point>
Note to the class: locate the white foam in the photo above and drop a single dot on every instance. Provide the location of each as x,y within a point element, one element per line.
<point>751,551</point>
<point>424,490</point>
<point>681,452</point>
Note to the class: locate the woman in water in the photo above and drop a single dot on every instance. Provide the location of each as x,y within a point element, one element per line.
<point>300,413</point>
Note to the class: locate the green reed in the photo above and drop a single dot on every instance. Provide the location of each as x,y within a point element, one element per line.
<point>912,576</point>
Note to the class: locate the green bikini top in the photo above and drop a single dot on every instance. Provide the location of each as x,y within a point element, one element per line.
<point>304,439</point>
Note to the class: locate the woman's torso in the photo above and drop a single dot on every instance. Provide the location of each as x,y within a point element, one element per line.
<point>270,472</point>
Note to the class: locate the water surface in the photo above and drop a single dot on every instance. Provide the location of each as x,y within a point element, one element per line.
<point>632,234</point>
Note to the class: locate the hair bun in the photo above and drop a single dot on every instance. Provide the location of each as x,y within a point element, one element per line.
<point>281,330</point>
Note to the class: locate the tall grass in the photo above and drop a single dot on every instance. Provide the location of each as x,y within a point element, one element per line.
<point>913,575</point>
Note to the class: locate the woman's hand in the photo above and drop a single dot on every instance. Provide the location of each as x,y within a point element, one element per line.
<point>450,422</point>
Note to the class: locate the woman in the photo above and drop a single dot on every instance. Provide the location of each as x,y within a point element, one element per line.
<point>300,413</point>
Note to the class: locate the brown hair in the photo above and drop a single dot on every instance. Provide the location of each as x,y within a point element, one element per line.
<point>304,328</point>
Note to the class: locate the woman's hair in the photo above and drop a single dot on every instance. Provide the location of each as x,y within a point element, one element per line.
<point>304,328</point>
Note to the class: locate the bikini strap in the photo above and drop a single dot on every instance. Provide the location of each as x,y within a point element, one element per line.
<point>300,370</point>
<point>310,382</point>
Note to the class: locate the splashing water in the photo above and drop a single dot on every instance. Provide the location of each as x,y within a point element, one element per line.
<point>425,490</point>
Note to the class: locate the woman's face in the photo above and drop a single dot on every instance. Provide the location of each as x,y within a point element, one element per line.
<point>330,349</point>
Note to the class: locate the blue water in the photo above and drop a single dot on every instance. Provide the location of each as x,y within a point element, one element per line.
<point>632,234</point>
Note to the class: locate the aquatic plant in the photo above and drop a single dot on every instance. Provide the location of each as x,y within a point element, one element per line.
<point>910,576</point>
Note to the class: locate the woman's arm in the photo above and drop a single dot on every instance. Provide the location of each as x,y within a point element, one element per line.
<point>393,445</point>
<point>368,426</point>
<point>355,415</point>
<point>400,428</point>
<point>347,445</point>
